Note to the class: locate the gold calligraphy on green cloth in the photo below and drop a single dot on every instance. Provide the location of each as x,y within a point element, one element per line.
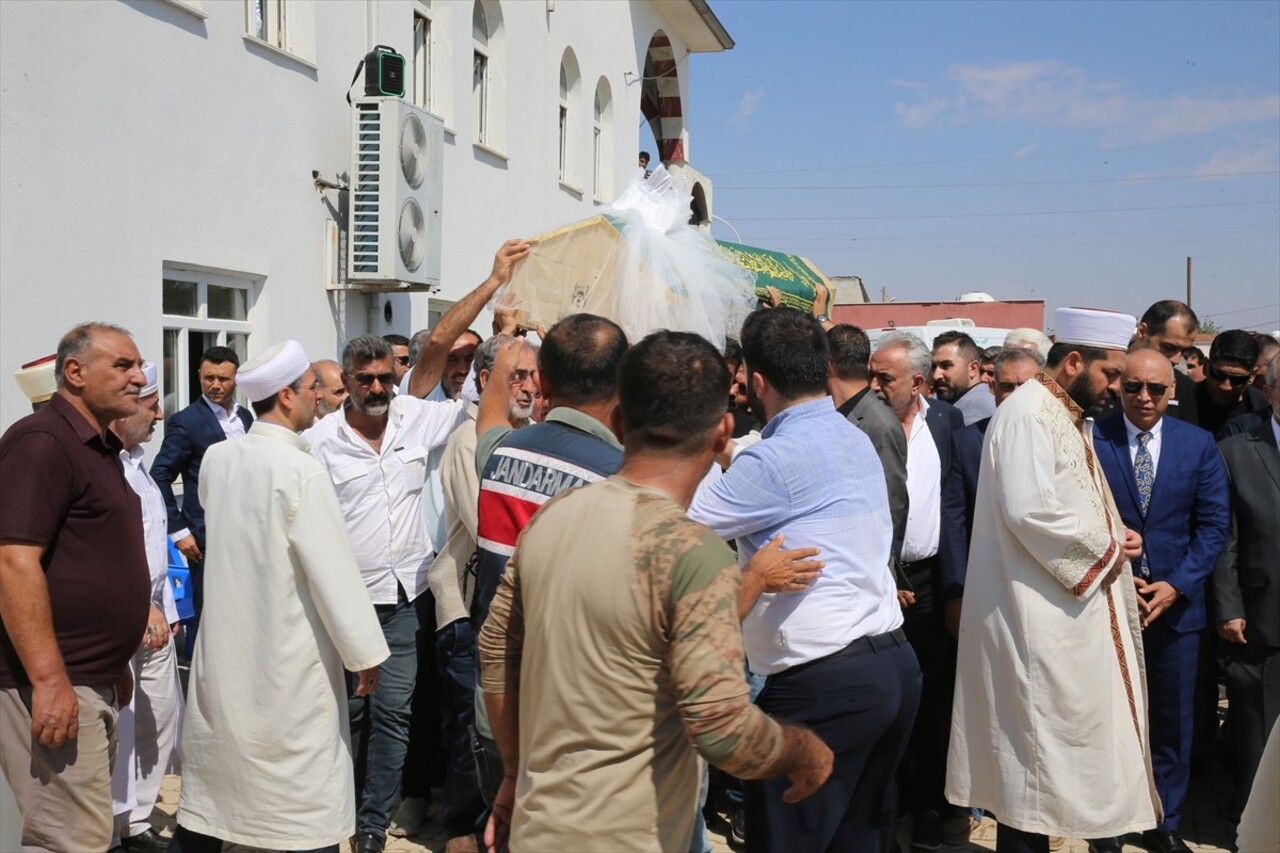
<point>794,277</point>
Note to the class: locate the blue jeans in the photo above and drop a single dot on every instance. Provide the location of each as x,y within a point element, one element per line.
<point>464,810</point>
<point>380,721</point>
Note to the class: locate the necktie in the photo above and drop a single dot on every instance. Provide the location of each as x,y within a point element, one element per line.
<point>1145,475</point>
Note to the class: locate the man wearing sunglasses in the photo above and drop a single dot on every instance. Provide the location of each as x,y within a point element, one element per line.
<point>1170,485</point>
<point>1225,392</point>
<point>399,355</point>
<point>376,451</point>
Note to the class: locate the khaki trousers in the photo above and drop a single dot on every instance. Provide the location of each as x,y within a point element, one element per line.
<point>63,794</point>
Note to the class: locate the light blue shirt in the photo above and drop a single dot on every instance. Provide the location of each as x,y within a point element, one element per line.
<point>816,478</point>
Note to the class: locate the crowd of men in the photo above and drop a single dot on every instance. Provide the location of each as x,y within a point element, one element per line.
<point>916,580</point>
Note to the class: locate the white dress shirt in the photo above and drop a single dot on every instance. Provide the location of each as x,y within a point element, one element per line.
<point>1153,446</point>
<point>381,492</point>
<point>228,419</point>
<point>155,523</point>
<point>924,491</point>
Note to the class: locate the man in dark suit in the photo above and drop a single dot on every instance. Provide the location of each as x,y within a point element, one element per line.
<point>1226,392</point>
<point>1169,485</point>
<point>850,388</point>
<point>1012,367</point>
<point>899,372</point>
<point>188,434</point>
<point>1170,326</point>
<point>1244,599</point>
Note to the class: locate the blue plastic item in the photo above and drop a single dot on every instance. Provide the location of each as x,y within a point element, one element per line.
<point>180,579</point>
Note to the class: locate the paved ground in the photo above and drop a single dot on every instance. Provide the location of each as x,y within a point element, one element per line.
<point>1205,825</point>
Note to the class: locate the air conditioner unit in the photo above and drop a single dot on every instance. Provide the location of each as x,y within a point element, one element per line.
<point>395,202</point>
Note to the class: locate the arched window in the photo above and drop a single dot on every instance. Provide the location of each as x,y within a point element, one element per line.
<point>488,77</point>
<point>569,118</point>
<point>602,143</point>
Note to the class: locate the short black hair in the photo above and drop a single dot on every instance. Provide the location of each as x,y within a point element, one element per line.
<point>1235,345</point>
<point>673,390</point>
<point>787,347</point>
<point>1157,317</point>
<point>1191,353</point>
<point>580,357</point>
<point>396,340</point>
<point>965,345</point>
<point>989,354</point>
<point>645,156</point>
<point>1060,351</point>
<point>849,351</point>
<point>261,407</point>
<point>220,355</point>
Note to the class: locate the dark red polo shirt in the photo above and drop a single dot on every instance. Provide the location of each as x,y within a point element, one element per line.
<point>62,486</point>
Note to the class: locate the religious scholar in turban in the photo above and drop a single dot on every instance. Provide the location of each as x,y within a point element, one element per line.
<point>266,744</point>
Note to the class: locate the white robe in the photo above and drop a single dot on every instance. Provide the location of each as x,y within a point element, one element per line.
<point>266,741</point>
<point>1049,725</point>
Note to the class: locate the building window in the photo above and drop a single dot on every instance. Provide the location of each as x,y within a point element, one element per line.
<point>570,119</point>
<point>422,57</point>
<point>201,309</point>
<point>564,122</point>
<point>267,22</point>
<point>287,26</point>
<point>480,71</point>
<point>602,143</point>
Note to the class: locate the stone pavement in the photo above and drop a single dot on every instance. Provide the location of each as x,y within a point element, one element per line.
<point>1204,824</point>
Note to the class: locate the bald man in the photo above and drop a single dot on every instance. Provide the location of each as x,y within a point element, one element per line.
<point>1170,485</point>
<point>333,391</point>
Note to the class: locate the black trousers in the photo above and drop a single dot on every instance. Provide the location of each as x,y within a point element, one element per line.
<point>1010,840</point>
<point>862,706</point>
<point>1253,701</point>
<point>923,774</point>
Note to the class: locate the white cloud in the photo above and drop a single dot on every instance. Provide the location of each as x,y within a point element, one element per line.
<point>1048,93</point>
<point>1233,161</point>
<point>1026,150</point>
<point>747,107</point>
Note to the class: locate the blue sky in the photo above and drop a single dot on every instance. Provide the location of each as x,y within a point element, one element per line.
<point>933,148</point>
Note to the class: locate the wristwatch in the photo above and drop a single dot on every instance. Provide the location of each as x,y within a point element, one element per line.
<point>823,318</point>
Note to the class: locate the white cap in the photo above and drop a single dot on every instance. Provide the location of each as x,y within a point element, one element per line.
<point>152,385</point>
<point>37,379</point>
<point>278,367</point>
<point>1093,327</point>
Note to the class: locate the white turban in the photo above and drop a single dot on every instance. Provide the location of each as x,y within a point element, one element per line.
<point>152,381</point>
<point>1092,327</point>
<point>37,379</point>
<point>278,367</point>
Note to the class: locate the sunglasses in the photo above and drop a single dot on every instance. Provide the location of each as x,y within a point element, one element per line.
<point>364,380</point>
<point>1236,379</point>
<point>402,360</point>
<point>1155,389</point>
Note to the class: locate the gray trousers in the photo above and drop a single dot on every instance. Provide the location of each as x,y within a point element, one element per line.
<point>63,794</point>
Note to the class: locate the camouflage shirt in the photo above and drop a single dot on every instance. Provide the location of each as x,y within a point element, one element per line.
<point>616,621</point>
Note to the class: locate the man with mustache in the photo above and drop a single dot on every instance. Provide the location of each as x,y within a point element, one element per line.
<point>376,450</point>
<point>73,592</point>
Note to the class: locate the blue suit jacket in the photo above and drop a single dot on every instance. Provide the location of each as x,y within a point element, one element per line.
<point>187,435</point>
<point>1187,522</point>
<point>959,494</point>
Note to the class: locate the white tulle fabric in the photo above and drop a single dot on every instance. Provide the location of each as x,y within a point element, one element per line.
<point>656,271</point>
